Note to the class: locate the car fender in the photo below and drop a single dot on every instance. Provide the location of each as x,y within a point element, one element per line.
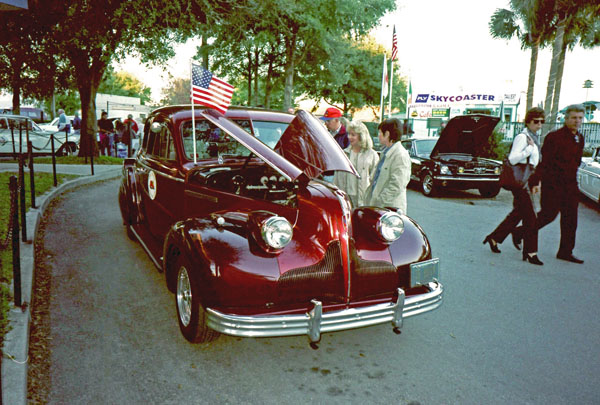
<point>230,267</point>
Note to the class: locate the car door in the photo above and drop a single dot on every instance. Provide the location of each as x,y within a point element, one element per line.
<point>415,167</point>
<point>160,178</point>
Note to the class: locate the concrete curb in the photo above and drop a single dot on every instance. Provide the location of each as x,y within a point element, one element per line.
<point>16,342</point>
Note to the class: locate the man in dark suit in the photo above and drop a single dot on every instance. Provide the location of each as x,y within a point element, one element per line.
<point>561,156</point>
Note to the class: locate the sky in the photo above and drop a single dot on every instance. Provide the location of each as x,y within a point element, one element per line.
<point>444,47</point>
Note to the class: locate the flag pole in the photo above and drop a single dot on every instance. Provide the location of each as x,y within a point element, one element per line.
<point>193,115</point>
<point>391,86</point>
<point>382,84</point>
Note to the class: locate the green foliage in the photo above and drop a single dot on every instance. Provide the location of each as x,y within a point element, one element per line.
<point>124,84</point>
<point>496,149</point>
<point>176,92</point>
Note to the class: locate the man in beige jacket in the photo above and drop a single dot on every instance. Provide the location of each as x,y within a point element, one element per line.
<point>388,186</point>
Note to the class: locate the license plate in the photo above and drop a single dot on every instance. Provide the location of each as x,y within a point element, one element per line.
<point>425,272</point>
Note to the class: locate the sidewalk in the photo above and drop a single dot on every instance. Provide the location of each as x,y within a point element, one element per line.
<point>16,342</point>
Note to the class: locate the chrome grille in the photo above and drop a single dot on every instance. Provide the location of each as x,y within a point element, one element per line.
<point>323,280</point>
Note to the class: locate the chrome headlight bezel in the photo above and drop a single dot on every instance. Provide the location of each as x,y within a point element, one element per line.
<point>390,226</point>
<point>445,170</point>
<point>277,232</point>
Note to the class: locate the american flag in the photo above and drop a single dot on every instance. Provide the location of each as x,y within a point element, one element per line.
<point>394,45</point>
<point>209,90</point>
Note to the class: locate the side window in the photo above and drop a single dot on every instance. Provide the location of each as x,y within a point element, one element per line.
<point>161,144</point>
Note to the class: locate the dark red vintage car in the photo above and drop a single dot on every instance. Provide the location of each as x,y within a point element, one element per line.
<point>254,243</point>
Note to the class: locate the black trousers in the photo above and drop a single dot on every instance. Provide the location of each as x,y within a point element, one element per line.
<point>522,211</point>
<point>564,200</point>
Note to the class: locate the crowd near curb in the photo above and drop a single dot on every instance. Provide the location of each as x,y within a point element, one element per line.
<point>16,342</point>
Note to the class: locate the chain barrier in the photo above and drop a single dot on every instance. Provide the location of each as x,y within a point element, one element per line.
<point>4,242</point>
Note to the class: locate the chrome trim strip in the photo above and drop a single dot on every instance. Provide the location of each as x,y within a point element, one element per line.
<point>589,172</point>
<point>467,178</point>
<point>168,176</point>
<point>307,324</point>
<point>145,248</point>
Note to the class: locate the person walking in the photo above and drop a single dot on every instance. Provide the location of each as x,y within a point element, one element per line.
<point>524,150</point>
<point>561,156</point>
<point>332,118</point>
<point>63,122</point>
<point>363,158</point>
<point>388,186</point>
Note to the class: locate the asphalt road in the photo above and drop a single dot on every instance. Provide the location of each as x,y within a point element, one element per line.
<point>508,331</point>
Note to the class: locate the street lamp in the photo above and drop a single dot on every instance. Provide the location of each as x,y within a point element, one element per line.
<point>588,84</point>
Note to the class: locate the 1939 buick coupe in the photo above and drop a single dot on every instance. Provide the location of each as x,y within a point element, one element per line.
<point>233,209</point>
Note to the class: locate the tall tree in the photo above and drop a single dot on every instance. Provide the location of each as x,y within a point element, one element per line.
<point>527,21</point>
<point>177,92</point>
<point>92,33</point>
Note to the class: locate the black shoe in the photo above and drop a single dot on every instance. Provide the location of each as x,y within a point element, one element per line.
<point>516,240</point>
<point>569,258</point>
<point>493,244</point>
<point>532,259</point>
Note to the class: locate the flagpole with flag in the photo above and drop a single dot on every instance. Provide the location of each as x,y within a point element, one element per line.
<point>393,58</point>
<point>384,85</point>
<point>208,90</point>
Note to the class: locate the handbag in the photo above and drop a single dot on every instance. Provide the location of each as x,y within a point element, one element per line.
<point>514,177</point>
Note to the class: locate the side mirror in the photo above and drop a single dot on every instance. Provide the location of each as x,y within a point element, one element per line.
<point>156,127</point>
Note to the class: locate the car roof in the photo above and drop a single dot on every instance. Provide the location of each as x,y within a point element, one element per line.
<point>232,112</point>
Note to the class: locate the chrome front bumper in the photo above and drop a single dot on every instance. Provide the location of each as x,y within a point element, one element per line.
<point>315,322</point>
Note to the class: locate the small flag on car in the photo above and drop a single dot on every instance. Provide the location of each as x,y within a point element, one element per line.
<point>208,90</point>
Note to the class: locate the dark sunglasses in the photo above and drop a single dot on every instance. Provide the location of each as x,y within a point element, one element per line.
<point>539,121</point>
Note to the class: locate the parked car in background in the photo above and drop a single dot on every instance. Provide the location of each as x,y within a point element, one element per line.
<point>14,130</point>
<point>52,126</point>
<point>233,210</point>
<point>454,160</point>
<point>588,176</point>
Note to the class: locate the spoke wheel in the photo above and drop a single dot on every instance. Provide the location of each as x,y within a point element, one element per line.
<point>427,186</point>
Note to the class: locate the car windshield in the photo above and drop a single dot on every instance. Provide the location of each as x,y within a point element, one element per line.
<point>212,142</point>
<point>424,147</point>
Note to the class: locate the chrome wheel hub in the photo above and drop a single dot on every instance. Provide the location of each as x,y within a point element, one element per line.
<point>184,296</point>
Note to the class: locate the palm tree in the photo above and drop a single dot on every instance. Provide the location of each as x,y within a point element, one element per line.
<point>526,21</point>
<point>572,20</point>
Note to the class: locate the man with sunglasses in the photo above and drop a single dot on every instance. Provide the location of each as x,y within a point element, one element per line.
<point>561,156</point>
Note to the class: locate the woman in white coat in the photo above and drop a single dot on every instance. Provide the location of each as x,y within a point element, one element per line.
<point>364,158</point>
<point>524,150</point>
<point>388,186</point>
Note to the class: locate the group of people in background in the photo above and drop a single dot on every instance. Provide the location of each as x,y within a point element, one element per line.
<point>109,134</point>
<point>382,180</point>
<point>555,169</point>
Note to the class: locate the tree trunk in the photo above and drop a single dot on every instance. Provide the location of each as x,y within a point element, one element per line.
<point>88,78</point>
<point>532,69</point>
<point>556,49</point>
<point>249,78</point>
<point>255,68</point>
<point>269,84</point>
<point>558,82</point>
<point>16,85</point>
<point>204,52</point>
<point>288,93</point>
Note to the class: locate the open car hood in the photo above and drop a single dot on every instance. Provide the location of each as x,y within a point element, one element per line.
<point>305,148</point>
<point>466,134</point>
<point>307,144</point>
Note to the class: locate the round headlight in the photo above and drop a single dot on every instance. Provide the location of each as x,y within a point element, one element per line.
<point>277,232</point>
<point>444,170</point>
<point>390,226</point>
